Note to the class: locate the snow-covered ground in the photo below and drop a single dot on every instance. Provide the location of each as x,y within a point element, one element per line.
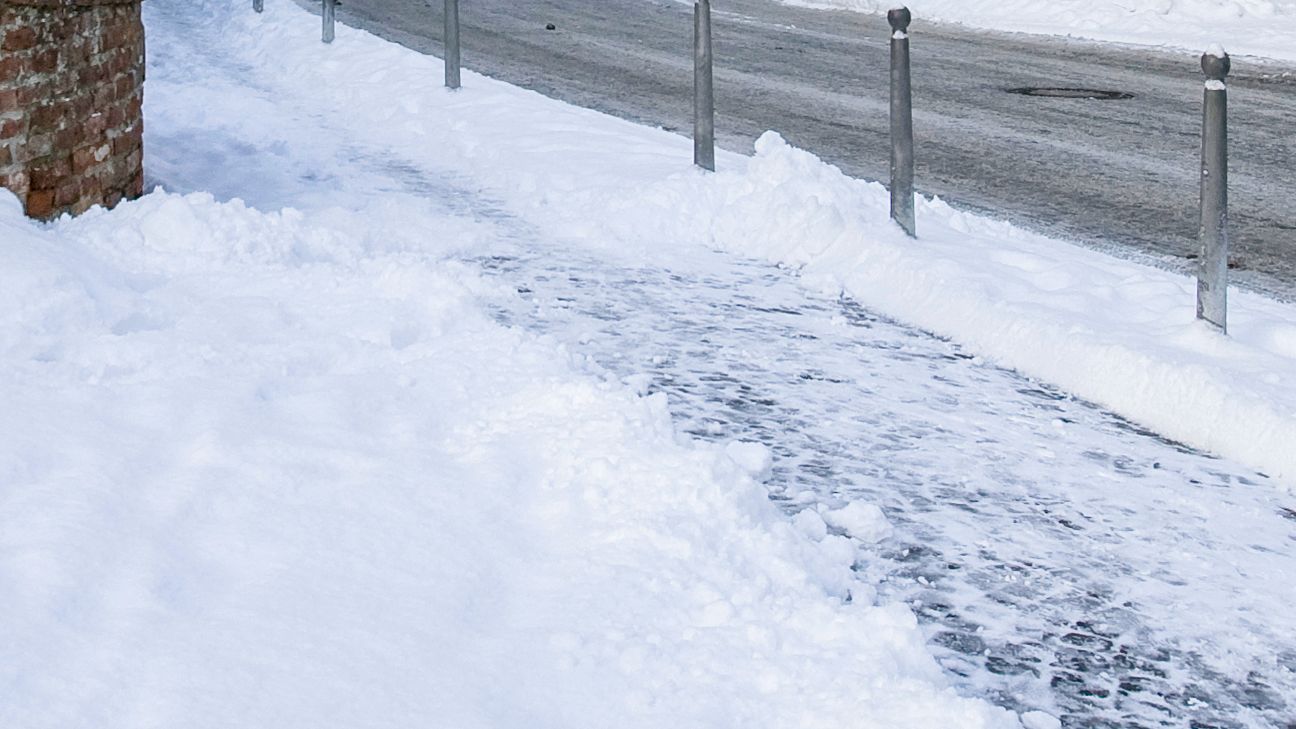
<point>382,459</point>
<point>281,469</point>
<point>1265,28</point>
<point>1121,335</point>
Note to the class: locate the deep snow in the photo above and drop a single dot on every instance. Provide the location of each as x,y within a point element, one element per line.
<point>285,467</point>
<point>281,468</point>
<point>1264,28</point>
<point>271,469</point>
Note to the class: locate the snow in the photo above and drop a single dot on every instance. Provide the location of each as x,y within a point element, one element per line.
<point>281,468</point>
<point>1115,333</point>
<point>266,470</point>
<point>864,522</point>
<point>1265,28</point>
<point>284,466</point>
<point>809,523</point>
<point>753,458</point>
<point>1040,720</point>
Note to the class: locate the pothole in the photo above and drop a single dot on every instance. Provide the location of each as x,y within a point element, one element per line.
<point>1057,92</point>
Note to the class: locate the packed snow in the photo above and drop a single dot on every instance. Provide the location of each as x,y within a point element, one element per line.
<point>1264,28</point>
<point>269,465</point>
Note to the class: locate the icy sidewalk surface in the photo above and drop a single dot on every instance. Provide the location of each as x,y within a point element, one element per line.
<point>1055,552</point>
<point>1059,557</point>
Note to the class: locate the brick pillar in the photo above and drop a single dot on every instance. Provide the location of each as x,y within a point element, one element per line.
<point>71,89</point>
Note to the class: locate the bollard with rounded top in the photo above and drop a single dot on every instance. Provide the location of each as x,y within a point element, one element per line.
<point>452,44</point>
<point>258,5</point>
<point>330,19</point>
<point>1212,235</point>
<point>703,88</point>
<point>902,145</point>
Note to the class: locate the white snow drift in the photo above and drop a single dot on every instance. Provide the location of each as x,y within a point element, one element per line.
<point>262,471</point>
<point>1264,28</point>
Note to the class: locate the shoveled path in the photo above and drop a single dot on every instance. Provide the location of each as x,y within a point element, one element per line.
<point>1059,556</point>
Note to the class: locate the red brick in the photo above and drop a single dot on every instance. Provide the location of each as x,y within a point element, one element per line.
<point>95,125</point>
<point>81,107</point>
<point>10,128</point>
<point>121,63</point>
<point>46,116</point>
<point>67,194</point>
<point>19,39</point>
<point>40,203</point>
<point>12,66</point>
<point>125,86</point>
<point>95,74</point>
<point>46,61</point>
<point>83,204</point>
<point>124,144</point>
<point>71,75</point>
<point>83,159</point>
<point>67,138</point>
<point>50,172</point>
<point>39,145</point>
<point>16,181</point>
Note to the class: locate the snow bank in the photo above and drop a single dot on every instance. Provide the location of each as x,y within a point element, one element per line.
<point>1122,335</point>
<point>259,470</point>
<point>1249,27</point>
<point>1114,332</point>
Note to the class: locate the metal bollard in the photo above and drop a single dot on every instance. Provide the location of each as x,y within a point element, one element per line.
<point>258,5</point>
<point>330,19</point>
<point>902,145</point>
<point>703,88</point>
<point>1212,277</point>
<point>452,44</point>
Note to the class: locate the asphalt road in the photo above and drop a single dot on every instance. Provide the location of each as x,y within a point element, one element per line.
<point>1117,175</point>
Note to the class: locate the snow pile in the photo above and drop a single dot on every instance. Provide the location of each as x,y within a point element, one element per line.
<point>1114,332</point>
<point>1250,27</point>
<point>861,521</point>
<point>259,470</point>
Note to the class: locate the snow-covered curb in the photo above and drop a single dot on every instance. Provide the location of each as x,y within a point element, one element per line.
<point>1265,28</point>
<point>1107,330</point>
